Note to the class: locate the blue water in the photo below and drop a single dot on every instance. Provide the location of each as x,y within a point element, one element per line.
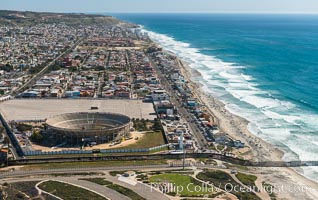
<point>264,67</point>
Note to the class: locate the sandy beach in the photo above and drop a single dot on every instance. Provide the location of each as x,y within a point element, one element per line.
<point>236,127</point>
<point>233,125</point>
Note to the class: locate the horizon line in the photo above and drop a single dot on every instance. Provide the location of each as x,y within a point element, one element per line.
<point>198,12</point>
<point>171,12</point>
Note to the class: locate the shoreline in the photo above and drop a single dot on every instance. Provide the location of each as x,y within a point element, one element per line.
<point>237,128</point>
<point>234,126</point>
<point>259,150</point>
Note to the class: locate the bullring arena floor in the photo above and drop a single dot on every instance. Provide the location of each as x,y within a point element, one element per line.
<point>39,109</point>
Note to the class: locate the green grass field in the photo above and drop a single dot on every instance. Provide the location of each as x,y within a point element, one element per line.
<point>190,187</point>
<point>68,192</point>
<point>269,190</point>
<point>150,139</point>
<point>246,179</point>
<point>125,191</point>
<point>225,181</point>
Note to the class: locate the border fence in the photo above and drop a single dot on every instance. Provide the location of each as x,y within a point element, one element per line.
<point>65,152</point>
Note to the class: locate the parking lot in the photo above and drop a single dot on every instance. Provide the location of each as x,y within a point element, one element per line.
<point>40,109</point>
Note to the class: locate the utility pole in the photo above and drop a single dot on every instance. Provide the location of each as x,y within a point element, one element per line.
<point>7,141</point>
<point>181,146</point>
<point>183,159</point>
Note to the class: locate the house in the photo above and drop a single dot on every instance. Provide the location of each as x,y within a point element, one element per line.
<point>159,95</point>
<point>224,140</point>
<point>191,102</point>
<point>238,144</point>
<point>164,107</point>
<point>30,94</point>
<point>3,154</point>
<point>122,93</point>
<point>72,94</point>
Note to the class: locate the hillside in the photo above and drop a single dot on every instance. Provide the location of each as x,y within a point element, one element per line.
<point>73,19</point>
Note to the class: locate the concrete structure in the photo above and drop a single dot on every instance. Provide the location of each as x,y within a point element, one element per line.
<point>88,127</point>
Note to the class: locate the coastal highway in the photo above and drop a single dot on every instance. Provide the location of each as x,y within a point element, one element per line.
<point>20,172</point>
<point>80,159</point>
<point>200,139</point>
<point>23,173</point>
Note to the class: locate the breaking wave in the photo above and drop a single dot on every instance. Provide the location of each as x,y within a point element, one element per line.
<point>281,122</point>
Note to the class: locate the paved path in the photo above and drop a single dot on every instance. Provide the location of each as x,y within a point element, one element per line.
<point>262,194</point>
<point>142,189</point>
<point>107,192</point>
<point>99,189</point>
<point>40,191</point>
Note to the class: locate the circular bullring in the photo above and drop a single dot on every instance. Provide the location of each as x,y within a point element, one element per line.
<point>85,125</point>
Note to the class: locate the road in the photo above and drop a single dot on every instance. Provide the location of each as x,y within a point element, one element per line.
<point>20,175</point>
<point>200,139</point>
<point>143,190</point>
<point>23,173</point>
<point>105,191</point>
<point>99,189</point>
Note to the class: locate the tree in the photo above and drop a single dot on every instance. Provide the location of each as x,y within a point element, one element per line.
<point>8,67</point>
<point>157,125</point>
<point>144,124</point>
<point>37,137</point>
<point>55,67</point>
<point>6,140</point>
<point>77,57</point>
<point>24,127</point>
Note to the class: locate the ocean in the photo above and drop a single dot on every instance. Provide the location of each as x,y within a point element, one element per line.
<point>263,67</point>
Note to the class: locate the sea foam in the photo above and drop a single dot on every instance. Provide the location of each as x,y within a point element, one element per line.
<point>277,121</point>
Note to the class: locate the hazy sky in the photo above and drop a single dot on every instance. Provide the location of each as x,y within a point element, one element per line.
<point>251,6</point>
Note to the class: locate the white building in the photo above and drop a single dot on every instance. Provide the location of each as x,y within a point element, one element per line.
<point>159,95</point>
